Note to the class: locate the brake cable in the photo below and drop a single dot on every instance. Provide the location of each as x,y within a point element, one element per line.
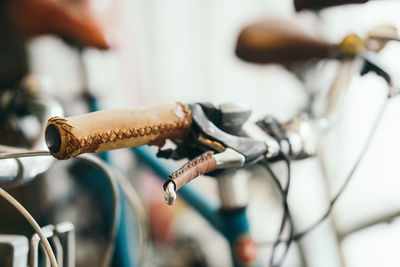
<point>286,212</point>
<point>301,234</point>
<point>349,176</point>
<point>284,192</point>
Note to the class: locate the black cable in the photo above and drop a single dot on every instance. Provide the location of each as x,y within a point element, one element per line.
<point>291,224</point>
<point>349,176</point>
<point>286,218</point>
<point>286,208</point>
<point>285,214</point>
<point>298,236</point>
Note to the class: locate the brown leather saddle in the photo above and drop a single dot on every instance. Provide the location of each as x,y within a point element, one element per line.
<point>74,21</point>
<point>281,41</point>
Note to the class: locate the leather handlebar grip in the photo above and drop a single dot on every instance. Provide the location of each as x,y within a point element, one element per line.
<point>114,129</point>
<point>319,4</point>
<point>200,165</point>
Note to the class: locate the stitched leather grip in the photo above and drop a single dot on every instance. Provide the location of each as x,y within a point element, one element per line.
<point>114,129</point>
<point>280,41</point>
<point>200,165</point>
<point>318,4</point>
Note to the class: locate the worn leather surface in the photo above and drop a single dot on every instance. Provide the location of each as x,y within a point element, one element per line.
<point>280,41</point>
<point>200,165</point>
<point>114,129</point>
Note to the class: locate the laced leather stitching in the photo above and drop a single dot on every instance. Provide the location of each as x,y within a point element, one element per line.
<point>91,142</point>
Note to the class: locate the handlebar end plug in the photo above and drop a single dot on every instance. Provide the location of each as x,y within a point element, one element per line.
<point>53,138</point>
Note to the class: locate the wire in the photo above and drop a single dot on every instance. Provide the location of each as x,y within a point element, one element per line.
<point>33,223</point>
<point>349,176</point>
<point>284,217</point>
<point>286,212</point>
<point>113,186</point>
<point>287,216</point>
<point>129,191</point>
<point>139,211</point>
<point>112,180</point>
<point>134,202</point>
<point>301,234</point>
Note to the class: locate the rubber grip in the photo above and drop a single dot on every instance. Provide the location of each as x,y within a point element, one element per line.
<point>280,41</point>
<point>319,4</point>
<point>115,129</point>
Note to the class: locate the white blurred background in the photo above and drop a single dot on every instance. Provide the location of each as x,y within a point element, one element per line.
<point>184,50</point>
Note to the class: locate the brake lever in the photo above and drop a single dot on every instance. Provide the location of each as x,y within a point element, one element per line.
<point>203,164</point>
<point>233,152</point>
<point>373,64</point>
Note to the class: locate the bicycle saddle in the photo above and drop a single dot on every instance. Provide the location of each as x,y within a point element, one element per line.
<point>283,41</point>
<point>74,21</point>
<point>280,41</point>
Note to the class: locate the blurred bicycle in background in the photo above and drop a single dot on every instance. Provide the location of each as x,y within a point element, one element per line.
<point>262,219</point>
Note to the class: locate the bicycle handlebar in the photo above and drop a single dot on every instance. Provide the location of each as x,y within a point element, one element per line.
<point>319,4</point>
<point>115,129</point>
